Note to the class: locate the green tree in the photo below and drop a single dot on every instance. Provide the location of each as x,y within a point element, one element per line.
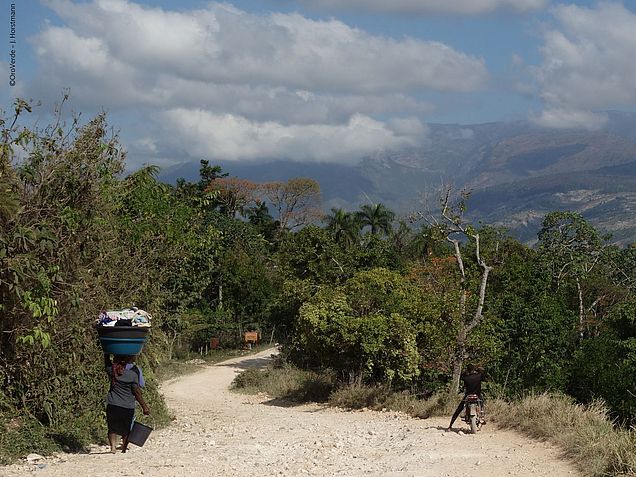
<point>362,329</point>
<point>378,217</point>
<point>605,365</point>
<point>311,253</point>
<point>249,279</point>
<point>571,249</point>
<point>258,215</point>
<point>535,325</point>
<point>343,226</point>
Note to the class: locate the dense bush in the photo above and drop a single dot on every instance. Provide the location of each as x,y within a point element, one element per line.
<point>604,367</point>
<point>361,329</point>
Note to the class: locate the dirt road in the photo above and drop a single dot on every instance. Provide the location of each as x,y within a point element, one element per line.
<point>221,433</point>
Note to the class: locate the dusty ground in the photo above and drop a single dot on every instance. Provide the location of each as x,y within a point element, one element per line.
<point>221,433</point>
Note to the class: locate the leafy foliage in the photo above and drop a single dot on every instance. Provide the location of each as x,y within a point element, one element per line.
<point>377,217</point>
<point>361,329</point>
<point>393,307</point>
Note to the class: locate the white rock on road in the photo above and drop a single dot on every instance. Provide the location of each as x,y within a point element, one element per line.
<point>221,433</point>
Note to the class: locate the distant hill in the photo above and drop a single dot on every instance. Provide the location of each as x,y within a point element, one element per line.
<point>517,172</point>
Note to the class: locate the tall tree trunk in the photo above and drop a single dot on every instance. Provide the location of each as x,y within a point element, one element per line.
<point>453,216</point>
<point>581,309</point>
<point>458,362</point>
<point>460,340</point>
<point>173,340</point>
<point>466,328</point>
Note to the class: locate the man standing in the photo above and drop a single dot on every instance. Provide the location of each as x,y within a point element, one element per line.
<point>472,385</point>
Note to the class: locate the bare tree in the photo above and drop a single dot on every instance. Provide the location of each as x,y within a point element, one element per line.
<point>234,194</point>
<point>295,201</point>
<point>451,225</point>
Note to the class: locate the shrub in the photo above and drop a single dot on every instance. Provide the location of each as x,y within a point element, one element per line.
<point>287,382</point>
<point>379,398</point>
<point>358,396</point>
<point>362,335</point>
<point>21,435</point>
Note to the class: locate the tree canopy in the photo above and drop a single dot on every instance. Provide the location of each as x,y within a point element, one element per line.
<point>214,257</point>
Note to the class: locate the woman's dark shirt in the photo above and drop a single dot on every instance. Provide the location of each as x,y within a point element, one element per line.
<point>121,391</point>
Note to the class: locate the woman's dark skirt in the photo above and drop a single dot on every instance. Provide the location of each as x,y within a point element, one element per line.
<point>119,419</point>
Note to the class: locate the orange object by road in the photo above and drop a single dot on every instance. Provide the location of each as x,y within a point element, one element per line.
<point>251,337</point>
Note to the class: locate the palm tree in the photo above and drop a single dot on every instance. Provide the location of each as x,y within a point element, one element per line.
<point>378,217</point>
<point>343,226</point>
<point>424,243</point>
<point>259,216</point>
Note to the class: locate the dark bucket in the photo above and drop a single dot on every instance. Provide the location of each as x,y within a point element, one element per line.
<point>139,434</point>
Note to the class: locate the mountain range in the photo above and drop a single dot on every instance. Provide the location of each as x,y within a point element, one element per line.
<point>516,173</point>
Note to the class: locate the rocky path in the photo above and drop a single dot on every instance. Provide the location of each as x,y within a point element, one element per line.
<point>221,433</point>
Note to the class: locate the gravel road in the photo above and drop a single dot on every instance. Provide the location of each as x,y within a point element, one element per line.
<point>221,433</point>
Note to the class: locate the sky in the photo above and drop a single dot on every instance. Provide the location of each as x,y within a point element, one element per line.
<point>316,80</point>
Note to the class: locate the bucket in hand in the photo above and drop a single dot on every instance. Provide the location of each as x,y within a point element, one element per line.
<point>139,434</point>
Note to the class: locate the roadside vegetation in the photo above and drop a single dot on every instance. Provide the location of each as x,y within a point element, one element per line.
<point>369,308</point>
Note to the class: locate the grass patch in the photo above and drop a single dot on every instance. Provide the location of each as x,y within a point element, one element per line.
<point>21,435</point>
<point>380,398</point>
<point>586,434</point>
<point>287,383</point>
<point>173,369</point>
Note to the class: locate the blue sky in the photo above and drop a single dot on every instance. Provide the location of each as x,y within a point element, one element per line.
<point>319,80</point>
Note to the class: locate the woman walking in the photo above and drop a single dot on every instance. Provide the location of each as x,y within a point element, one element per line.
<point>124,390</point>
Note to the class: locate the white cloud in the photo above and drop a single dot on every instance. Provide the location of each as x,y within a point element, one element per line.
<point>272,75</point>
<point>225,45</point>
<point>229,137</point>
<point>570,118</point>
<point>412,127</point>
<point>145,145</point>
<point>422,7</point>
<point>587,65</point>
<point>517,61</point>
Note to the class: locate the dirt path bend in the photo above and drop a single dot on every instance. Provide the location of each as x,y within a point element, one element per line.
<point>221,433</point>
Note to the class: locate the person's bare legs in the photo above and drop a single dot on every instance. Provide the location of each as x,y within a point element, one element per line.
<point>112,439</point>
<point>124,444</point>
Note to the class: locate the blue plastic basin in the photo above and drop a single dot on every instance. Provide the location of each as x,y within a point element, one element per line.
<point>123,340</point>
<point>124,346</point>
